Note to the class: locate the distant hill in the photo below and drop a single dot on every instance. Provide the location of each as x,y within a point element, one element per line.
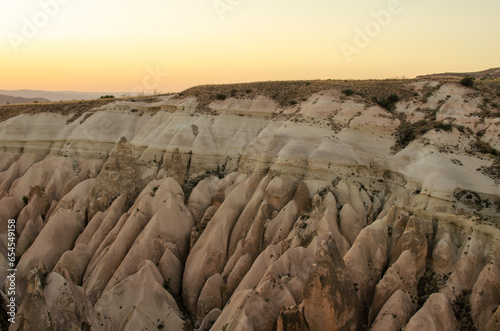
<point>58,95</point>
<point>8,99</point>
<point>493,73</point>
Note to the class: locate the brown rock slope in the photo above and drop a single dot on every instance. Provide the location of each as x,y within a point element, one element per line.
<point>349,208</point>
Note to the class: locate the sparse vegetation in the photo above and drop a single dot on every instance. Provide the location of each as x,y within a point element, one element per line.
<point>108,96</point>
<point>348,91</point>
<point>467,81</point>
<point>393,98</point>
<point>154,191</point>
<point>472,200</point>
<point>166,284</point>
<point>324,191</point>
<point>77,108</point>
<point>388,103</point>
<point>493,171</point>
<point>190,184</point>
<point>428,284</point>
<point>442,126</point>
<point>201,226</point>
<point>407,132</point>
<point>286,91</point>
<point>486,113</point>
<point>4,323</point>
<point>307,239</point>
<point>461,308</point>
<point>220,96</point>
<point>484,148</point>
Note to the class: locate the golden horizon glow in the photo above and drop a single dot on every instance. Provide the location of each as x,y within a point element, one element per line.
<point>168,46</point>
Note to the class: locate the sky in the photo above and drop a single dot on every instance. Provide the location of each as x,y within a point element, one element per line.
<point>170,45</point>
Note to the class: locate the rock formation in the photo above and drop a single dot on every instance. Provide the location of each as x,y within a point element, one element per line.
<point>338,210</point>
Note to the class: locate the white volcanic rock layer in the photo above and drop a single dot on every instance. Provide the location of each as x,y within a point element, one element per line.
<point>248,216</point>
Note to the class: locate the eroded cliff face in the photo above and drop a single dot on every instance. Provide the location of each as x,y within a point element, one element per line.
<point>242,214</point>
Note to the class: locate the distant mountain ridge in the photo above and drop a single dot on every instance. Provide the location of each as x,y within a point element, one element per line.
<point>58,95</point>
<point>8,99</point>
<point>493,73</point>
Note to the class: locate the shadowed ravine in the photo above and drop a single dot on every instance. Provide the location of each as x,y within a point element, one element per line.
<point>317,207</point>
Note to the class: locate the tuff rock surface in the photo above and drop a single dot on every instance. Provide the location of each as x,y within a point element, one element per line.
<point>245,214</point>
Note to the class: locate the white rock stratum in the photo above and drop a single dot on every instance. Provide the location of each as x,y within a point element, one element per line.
<point>244,214</point>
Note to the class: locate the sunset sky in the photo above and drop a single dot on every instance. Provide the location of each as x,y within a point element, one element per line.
<point>170,45</point>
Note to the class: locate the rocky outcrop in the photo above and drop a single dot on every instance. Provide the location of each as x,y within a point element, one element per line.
<point>330,302</point>
<point>395,313</point>
<point>494,322</point>
<point>50,245</point>
<point>158,220</point>
<point>485,298</point>
<point>436,314</point>
<point>139,302</point>
<point>401,276</point>
<point>67,304</point>
<point>120,176</point>
<point>33,312</point>
<point>241,214</point>
<point>30,221</point>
